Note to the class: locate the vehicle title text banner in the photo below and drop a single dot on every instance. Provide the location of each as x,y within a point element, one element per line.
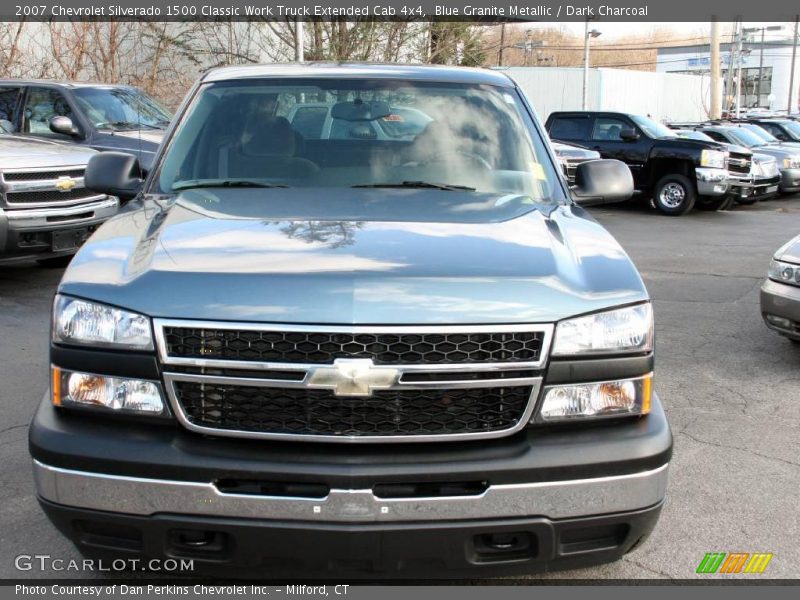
<point>425,10</point>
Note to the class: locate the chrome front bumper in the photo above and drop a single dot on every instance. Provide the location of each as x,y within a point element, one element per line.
<point>711,182</point>
<point>552,499</point>
<point>100,209</point>
<point>790,180</point>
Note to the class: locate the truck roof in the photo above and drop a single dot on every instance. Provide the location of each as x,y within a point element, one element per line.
<point>355,70</point>
<point>590,112</point>
<point>66,84</point>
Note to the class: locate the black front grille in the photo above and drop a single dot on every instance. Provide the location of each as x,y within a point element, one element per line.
<point>40,175</point>
<point>42,196</point>
<point>739,163</point>
<point>320,412</point>
<point>324,348</point>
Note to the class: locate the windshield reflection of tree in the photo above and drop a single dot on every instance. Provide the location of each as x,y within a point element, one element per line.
<point>334,234</point>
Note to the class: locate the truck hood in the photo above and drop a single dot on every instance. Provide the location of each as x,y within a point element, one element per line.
<point>689,144</point>
<point>354,256</point>
<point>153,136</point>
<point>776,151</point>
<point>22,152</point>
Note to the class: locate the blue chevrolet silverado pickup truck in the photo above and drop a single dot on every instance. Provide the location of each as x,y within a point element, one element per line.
<point>353,356</point>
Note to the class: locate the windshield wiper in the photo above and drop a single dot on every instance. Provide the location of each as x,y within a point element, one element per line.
<point>418,184</point>
<point>115,125</point>
<point>198,183</point>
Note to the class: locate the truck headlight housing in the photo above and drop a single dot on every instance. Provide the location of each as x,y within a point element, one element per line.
<point>714,159</point>
<point>119,394</point>
<point>82,322</point>
<point>619,331</point>
<point>597,400</point>
<point>784,272</point>
<point>791,162</point>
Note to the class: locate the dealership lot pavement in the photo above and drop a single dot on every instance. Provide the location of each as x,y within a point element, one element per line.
<point>731,388</point>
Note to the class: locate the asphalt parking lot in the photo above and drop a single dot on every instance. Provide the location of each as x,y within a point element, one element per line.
<point>730,386</point>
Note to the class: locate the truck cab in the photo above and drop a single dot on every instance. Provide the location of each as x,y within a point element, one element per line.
<point>672,171</point>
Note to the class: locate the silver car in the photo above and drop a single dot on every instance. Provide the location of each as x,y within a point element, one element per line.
<point>780,294</point>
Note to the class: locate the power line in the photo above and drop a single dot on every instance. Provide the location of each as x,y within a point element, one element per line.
<point>675,60</point>
<point>633,45</point>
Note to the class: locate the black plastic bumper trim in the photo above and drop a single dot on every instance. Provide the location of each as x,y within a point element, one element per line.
<point>449,549</point>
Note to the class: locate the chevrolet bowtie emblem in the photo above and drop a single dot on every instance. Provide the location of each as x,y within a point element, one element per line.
<point>353,377</point>
<point>65,184</point>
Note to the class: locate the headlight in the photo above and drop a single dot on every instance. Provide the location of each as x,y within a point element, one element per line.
<point>72,388</point>
<point>625,397</point>
<point>81,322</point>
<point>623,330</point>
<point>784,272</point>
<point>791,162</point>
<point>713,158</point>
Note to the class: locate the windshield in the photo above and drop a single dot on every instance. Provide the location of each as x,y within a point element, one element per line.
<point>745,137</point>
<point>760,132</point>
<point>793,127</point>
<point>652,128</point>
<point>362,133</point>
<point>121,108</point>
<point>694,135</point>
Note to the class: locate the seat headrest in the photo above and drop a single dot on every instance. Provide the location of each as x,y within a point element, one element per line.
<point>272,136</point>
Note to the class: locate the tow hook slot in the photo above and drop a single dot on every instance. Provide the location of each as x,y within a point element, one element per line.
<point>198,543</point>
<point>504,546</point>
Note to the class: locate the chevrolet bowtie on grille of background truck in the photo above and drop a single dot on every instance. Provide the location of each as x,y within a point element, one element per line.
<point>353,355</point>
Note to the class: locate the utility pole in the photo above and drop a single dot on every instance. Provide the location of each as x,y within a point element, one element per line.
<point>729,98</point>
<point>716,95</point>
<point>739,74</point>
<point>298,41</point>
<point>502,44</point>
<point>587,35</point>
<point>760,68</point>
<point>791,72</point>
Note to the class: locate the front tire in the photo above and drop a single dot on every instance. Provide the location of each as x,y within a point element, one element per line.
<point>674,195</point>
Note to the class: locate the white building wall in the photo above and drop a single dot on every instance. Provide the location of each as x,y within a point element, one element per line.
<point>556,88</point>
<point>664,96</point>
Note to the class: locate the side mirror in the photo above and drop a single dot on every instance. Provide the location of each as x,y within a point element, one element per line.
<point>115,174</point>
<point>63,125</point>
<point>602,182</point>
<point>6,126</point>
<point>629,134</point>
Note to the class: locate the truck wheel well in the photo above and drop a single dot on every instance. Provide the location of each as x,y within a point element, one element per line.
<point>664,167</point>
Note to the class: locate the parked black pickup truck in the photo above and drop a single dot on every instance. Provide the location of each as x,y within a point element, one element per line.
<point>672,170</point>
